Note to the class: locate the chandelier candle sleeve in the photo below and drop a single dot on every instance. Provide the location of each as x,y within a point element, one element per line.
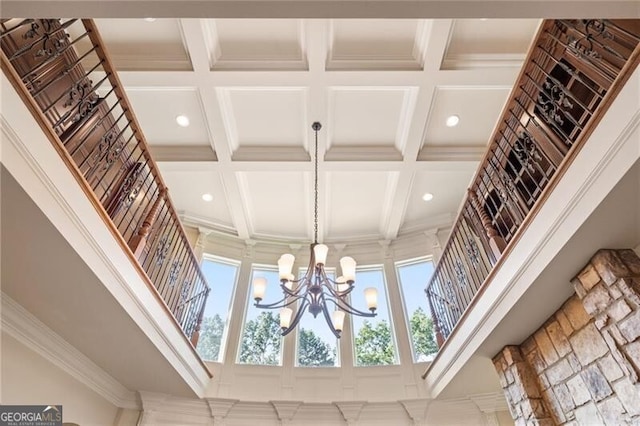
<point>285,266</point>
<point>348,266</point>
<point>337,318</point>
<point>259,288</point>
<point>371,296</point>
<point>285,317</point>
<point>320,252</point>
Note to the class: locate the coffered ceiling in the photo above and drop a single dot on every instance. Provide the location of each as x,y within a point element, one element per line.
<point>382,88</point>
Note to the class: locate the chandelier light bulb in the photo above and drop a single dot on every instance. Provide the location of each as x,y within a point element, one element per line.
<point>320,253</point>
<point>337,319</point>
<point>371,296</point>
<point>348,266</point>
<point>285,318</point>
<point>259,288</point>
<point>285,266</point>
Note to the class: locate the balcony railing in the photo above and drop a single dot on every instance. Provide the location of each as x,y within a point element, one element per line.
<point>573,71</point>
<point>64,75</point>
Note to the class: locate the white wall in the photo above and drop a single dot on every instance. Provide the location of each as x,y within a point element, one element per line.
<point>28,378</point>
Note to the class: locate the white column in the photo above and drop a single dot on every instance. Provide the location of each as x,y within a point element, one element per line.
<point>201,243</point>
<point>434,243</point>
<point>399,322</point>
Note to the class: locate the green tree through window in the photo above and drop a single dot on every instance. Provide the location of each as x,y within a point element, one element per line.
<point>261,340</point>
<point>313,351</point>
<point>424,343</point>
<point>374,345</point>
<point>210,337</point>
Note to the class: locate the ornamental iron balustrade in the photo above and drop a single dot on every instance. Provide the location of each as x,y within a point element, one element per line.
<point>65,76</point>
<point>573,69</point>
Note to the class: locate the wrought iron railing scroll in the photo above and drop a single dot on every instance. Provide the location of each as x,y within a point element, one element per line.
<point>62,71</point>
<point>572,71</point>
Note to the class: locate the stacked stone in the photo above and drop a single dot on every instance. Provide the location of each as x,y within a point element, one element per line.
<point>582,366</point>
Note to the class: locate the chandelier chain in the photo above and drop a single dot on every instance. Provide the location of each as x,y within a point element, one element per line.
<point>316,127</point>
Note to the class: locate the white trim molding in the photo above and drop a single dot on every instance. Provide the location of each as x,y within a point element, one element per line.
<point>18,323</point>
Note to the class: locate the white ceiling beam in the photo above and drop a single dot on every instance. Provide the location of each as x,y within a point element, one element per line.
<point>194,39</point>
<point>315,42</point>
<point>435,47</point>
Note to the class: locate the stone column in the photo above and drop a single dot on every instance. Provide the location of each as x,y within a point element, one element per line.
<point>582,366</point>
<point>520,385</point>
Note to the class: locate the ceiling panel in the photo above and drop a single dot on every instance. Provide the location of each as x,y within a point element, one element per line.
<point>278,203</point>
<point>264,117</point>
<point>356,203</point>
<point>448,188</point>
<point>137,44</point>
<point>369,116</point>
<point>157,110</point>
<point>383,116</point>
<point>489,42</point>
<point>375,43</point>
<point>256,43</point>
<point>478,109</point>
<point>186,188</point>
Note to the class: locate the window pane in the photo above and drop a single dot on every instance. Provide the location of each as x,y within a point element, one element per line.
<point>413,278</point>
<point>374,342</point>
<point>221,275</point>
<point>317,346</point>
<point>261,338</point>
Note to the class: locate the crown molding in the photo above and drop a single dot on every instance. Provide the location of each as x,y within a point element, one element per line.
<point>363,153</point>
<point>20,324</point>
<point>452,153</point>
<point>183,153</point>
<point>483,60</point>
<point>270,153</point>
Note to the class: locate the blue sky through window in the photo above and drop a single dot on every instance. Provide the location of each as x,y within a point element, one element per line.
<point>413,277</point>
<point>221,274</point>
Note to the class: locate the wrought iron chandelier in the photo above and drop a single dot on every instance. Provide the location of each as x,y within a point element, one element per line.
<point>315,291</point>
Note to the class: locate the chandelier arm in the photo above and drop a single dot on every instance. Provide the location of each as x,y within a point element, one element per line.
<point>302,283</point>
<point>296,319</point>
<point>343,305</point>
<point>327,282</point>
<point>280,303</point>
<point>335,293</point>
<point>327,317</point>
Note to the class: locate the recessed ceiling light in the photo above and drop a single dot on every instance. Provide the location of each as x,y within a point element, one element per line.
<point>427,196</point>
<point>207,197</point>
<point>182,120</point>
<point>484,19</point>
<point>453,120</point>
<point>150,19</point>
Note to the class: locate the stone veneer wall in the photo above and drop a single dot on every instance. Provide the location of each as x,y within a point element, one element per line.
<point>582,366</point>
